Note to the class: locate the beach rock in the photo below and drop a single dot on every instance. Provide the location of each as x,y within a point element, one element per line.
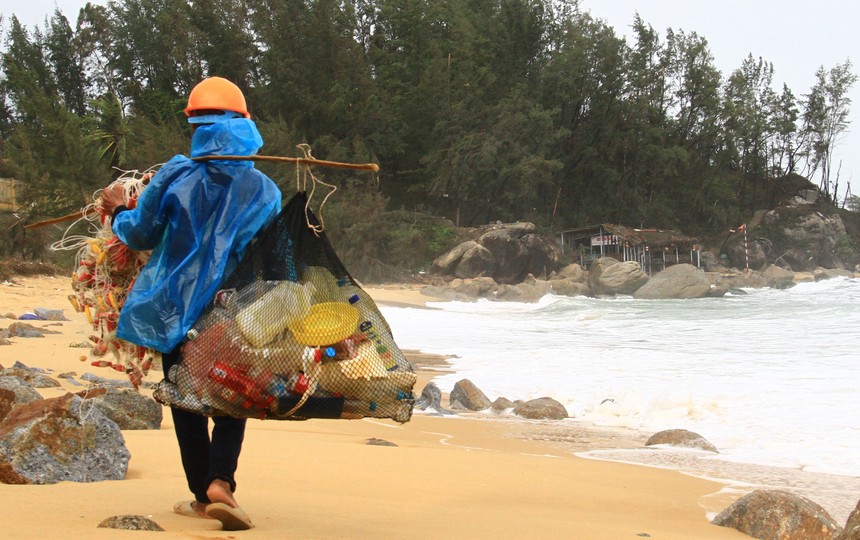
<point>373,441</point>
<point>544,408</point>
<point>712,263</point>
<point>502,404</point>
<point>60,439</point>
<point>544,254</point>
<point>737,279</point>
<point>822,274</point>
<point>471,289</point>
<point>621,278</point>
<point>530,291</point>
<point>431,397</point>
<point>683,438</point>
<point>14,391</point>
<point>505,252</point>
<point>447,262</point>
<point>478,261</point>
<point>569,287</point>
<point>26,330</point>
<point>753,256</point>
<point>678,281</point>
<point>102,381</point>
<point>130,523</point>
<point>778,515</point>
<point>796,259</point>
<point>50,314</point>
<point>512,259</point>
<point>36,379</point>
<point>573,272</point>
<point>778,278</point>
<point>815,230</point>
<point>127,407</point>
<point>466,395</point>
<point>852,526</point>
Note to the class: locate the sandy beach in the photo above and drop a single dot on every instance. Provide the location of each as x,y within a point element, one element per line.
<point>465,476</point>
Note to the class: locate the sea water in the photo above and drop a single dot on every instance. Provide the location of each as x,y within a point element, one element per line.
<point>769,377</point>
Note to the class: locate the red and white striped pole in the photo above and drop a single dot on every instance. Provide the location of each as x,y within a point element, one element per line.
<point>743,227</point>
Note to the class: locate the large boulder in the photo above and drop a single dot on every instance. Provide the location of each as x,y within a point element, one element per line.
<point>431,397</point>
<point>477,261</point>
<point>14,392</point>
<point>620,278</point>
<point>778,515</point>
<point>510,254</point>
<point>752,254</point>
<point>778,278</point>
<point>852,526</point>
<point>810,234</point>
<point>821,274</point>
<point>530,290</point>
<point>465,395</point>
<point>544,254</point>
<point>682,438</point>
<point>573,272</point>
<point>506,252</point>
<point>544,408</point>
<point>60,439</point>
<point>569,287</point>
<point>678,281</point>
<point>127,407</point>
<point>447,262</point>
<point>712,263</point>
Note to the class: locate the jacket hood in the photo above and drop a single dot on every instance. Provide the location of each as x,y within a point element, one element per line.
<point>235,137</point>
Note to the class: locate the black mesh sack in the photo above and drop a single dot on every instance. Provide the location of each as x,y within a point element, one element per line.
<point>291,335</point>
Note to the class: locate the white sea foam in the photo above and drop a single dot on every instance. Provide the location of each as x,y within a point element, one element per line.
<point>769,377</point>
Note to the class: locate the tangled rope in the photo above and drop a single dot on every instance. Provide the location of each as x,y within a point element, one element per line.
<point>105,270</point>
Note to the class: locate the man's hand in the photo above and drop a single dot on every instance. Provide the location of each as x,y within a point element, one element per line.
<point>112,196</point>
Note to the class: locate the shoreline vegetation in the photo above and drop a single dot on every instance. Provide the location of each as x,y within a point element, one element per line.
<point>490,476</point>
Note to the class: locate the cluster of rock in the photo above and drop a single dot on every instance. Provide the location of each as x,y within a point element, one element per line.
<point>74,437</point>
<point>465,396</point>
<point>801,234</point>
<point>796,241</point>
<point>609,277</point>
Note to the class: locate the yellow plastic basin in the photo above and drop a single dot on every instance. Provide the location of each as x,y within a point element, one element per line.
<point>326,324</point>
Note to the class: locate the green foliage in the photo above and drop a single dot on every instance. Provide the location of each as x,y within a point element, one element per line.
<point>476,112</point>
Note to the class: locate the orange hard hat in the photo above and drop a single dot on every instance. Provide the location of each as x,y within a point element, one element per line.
<point>219,94</point>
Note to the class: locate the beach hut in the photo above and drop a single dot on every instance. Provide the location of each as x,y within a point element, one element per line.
<point>653,249</point>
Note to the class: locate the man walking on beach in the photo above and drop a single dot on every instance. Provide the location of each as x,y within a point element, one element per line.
<point>198,218</point>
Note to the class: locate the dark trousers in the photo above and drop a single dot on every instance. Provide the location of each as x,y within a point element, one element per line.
<point>205,459</point>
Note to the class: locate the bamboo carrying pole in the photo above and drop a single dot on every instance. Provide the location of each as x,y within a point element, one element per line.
<point>298,161</point>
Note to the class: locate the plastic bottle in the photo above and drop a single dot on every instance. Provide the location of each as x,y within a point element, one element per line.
<point>269,315</point>
<point>325,284</point>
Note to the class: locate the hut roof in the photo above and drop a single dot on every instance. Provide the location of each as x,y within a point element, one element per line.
<point>649,236</point>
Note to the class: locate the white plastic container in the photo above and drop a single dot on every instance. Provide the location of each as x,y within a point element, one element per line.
<point>270,314</point>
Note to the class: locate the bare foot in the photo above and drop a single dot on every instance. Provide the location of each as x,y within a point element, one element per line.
<point>219,492</point>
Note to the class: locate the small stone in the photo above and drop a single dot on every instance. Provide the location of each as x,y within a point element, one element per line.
<point>373,441</point>
<point>130,523</point>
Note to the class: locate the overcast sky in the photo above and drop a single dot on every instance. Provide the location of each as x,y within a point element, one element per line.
<point>797,36</point>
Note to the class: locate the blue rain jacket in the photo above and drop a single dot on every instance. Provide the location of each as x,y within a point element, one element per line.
<point>198,218</point>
